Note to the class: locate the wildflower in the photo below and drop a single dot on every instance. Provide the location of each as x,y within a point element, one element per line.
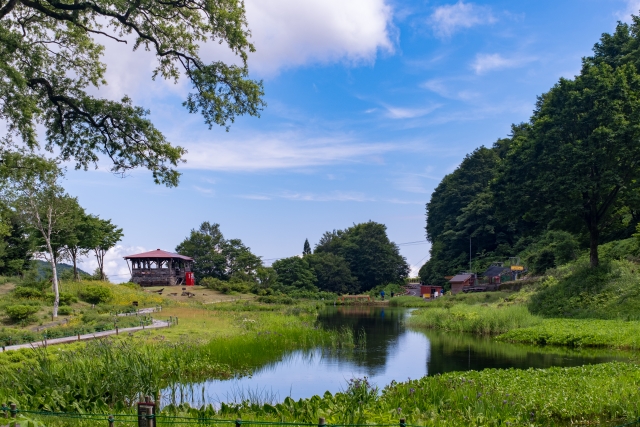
<point>399,410</point>
<point>412,390</point>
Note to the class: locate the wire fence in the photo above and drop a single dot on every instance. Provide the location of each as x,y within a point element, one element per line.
<point>13,416</point>
<point>146,418</point>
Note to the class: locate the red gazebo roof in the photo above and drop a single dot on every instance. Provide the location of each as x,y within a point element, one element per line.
<point>158,253</point>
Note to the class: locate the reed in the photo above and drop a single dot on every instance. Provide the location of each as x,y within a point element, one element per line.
<point>477,319</point>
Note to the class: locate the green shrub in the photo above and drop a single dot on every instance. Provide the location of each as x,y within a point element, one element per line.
<point>64,310</point>
<point>130,285</point>
<point>226,287</point>
<point>19,312</point>
<point>212,283</point>
<point>276,299</point>
<point>27,293</point>
<point>65,298</point>
<point>96,294</point>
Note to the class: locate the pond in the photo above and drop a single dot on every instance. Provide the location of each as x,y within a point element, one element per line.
<point>391,352</point>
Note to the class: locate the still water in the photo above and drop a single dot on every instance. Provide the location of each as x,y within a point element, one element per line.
<point>392,352</point>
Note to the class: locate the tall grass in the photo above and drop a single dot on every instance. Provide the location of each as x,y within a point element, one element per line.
<point>114,373</point>
<point>478,319</point>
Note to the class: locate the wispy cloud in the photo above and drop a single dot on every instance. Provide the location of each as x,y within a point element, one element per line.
<point>633,8</point>
<point>448,19</point>
<point>494,61</point>
<point>286,150</point>
<point>442,88</point>
<point>408,113</point>
<point>334,196</point>
<point>203,190</point>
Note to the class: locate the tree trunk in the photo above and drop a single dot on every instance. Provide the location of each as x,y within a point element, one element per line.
<point>54,269</point>
<point>594,234</point>
<point>74,257</point>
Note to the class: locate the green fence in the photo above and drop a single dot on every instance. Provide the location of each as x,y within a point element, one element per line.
<point>21,418</point>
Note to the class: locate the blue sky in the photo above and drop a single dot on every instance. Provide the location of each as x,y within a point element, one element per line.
<point>370,104</point>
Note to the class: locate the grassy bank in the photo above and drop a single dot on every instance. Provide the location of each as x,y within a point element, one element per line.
<point>205,344</point>
<point>478,319</point>
<point>606,393</point>
<point>579,333</point>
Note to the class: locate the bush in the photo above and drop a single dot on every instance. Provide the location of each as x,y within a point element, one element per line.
<point>212,283</point>
<point>276,299</point>
<point>225,287</point>
<point>96,294</point>
<point>27,293</point>
<point>19,313</point>
<point>65,298</point>
<point>64,310</point>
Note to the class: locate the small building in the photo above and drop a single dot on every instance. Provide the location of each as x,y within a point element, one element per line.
<point>430,292</point>
<point>496,274</point>
<point>161,268</point>
<point>461,281</point>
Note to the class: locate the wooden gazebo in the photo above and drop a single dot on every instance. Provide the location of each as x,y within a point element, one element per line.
<point>160,268</point>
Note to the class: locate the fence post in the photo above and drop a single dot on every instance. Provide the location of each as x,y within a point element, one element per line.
<point>14,411</point>
<point>321,422</point>
<point>403,422</point>
<point>238,422</point>
<point>111,420</point>
<point>4,410</point>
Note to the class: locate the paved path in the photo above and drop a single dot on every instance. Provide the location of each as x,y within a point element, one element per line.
<point>154,325</point>
<point>413,290</point>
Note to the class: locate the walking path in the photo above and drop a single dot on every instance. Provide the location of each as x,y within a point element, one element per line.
<point>154,325</point>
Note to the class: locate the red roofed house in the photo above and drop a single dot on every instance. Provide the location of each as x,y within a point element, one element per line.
<point>161,268</point>
<point>461,281</point>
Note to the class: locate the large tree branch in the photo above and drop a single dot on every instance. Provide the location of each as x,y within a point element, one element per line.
<point>7,8</point>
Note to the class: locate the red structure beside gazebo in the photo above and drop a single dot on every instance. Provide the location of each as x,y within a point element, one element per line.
<point>161,268</point>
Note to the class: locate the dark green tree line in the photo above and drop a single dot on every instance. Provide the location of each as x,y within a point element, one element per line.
<point>574,167</point>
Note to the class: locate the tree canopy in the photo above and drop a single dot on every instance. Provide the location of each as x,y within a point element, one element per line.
<point>372,258</point>
<point>216,257</point>
<point>50,59</point>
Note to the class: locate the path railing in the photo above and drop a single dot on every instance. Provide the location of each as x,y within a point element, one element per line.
<point>146,417</point>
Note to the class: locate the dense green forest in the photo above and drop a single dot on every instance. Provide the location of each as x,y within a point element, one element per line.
<point>559,185</point>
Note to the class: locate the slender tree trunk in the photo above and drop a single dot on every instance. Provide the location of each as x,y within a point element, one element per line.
<point>56,288</point>
<point>74,257</point>
<point>594,235</point>
<point>100,258</point>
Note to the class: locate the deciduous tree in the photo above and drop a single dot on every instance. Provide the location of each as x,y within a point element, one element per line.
<point>50,59</point>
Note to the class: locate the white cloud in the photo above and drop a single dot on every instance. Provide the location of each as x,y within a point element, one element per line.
<point>440,87</point>
<point>290,33</point>
<point>633,7</point>
<point>286,34</point>
<point>407,113</point>
<point>203,190</point>
<point>114,265</point>
<point>448,19</point>
<point>286,150</point>
<point>334,196</point>
<point>494,61</point>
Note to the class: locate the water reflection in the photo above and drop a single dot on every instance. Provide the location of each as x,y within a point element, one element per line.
<point>392,352</point>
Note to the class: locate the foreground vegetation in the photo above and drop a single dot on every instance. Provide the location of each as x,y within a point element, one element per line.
<point>605,393</point>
